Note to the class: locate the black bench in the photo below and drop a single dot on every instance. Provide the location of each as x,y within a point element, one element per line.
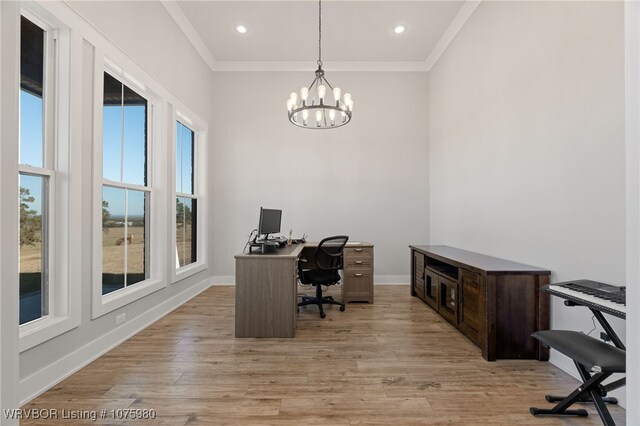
<point>596,361</point>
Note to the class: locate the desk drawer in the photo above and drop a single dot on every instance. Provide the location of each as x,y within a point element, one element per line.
<point>360,252</point>
<point>358,262</point>
<point>357,286</point>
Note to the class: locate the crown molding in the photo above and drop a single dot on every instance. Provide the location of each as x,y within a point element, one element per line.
<point>414,66</point>
<point>451,32</point>
<point>441,46</point>
<point>189,31</point>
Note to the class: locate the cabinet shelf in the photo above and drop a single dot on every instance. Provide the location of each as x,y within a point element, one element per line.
<point>443,269</point>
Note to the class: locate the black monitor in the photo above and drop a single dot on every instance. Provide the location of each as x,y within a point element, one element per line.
<point>269,222</point>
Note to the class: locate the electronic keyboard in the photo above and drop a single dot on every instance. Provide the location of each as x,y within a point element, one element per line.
<point>606,298</point>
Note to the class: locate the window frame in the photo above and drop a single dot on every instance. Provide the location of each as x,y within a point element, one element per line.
<point>179,113</point>
<point>103,304</point>
<point>62,170</point>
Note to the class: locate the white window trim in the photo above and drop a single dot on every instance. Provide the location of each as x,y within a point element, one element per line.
<point>63,167</point>
<point>200,129</point>
<point>156,144</point>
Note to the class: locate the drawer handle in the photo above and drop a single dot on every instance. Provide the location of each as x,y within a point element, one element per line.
<point>358,275</point>
<point>358,262</point>
<point>358,250</point>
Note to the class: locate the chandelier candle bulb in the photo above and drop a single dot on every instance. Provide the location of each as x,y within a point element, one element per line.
<point>304,94</point>
<point>319,117</point>
<point>305,115</point>
<point>322,90</point>
<point>294,98</point>
<point>332,117</point>
<point>347,98</point>
<point>336,94</point>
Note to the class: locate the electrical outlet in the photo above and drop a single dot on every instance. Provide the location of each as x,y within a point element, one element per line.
<point>121,319</point>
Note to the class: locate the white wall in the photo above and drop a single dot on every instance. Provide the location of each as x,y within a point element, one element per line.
<point>9,317</point>
<point>159,47</point>
<point>632,83</point>
<point>367,180</point>
<point>146,32</point>
<point>527,144</point>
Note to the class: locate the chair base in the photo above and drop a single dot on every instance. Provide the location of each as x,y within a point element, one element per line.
<point>319,300</point>
<point>584,400</point>
<point>546,412</point>
<point>590,391</point>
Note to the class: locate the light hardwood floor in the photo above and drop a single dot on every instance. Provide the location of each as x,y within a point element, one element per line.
<point>394,362</point>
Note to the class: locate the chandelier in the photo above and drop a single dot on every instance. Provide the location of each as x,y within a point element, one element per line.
<point>317,107</point>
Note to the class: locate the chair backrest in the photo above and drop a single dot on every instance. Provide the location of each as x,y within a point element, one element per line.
<point>329,252</point>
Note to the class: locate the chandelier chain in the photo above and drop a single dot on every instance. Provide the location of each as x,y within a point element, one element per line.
<point>319,32</point>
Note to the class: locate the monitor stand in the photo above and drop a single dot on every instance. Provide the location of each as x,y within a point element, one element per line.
<point>270,247</point>
<point>263,245</point>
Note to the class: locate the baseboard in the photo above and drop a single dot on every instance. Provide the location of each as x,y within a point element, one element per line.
<point>223,280</point>
<point>54,373</point>
<point>378,279</point>
<point>566,364</point>
<point>392,279</point>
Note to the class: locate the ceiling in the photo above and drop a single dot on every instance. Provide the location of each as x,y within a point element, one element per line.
<point>355,34</point>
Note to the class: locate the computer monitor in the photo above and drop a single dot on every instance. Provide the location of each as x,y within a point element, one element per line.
<point>269,222</point>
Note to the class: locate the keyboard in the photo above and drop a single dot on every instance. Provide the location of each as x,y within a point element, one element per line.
<point>602,297</point>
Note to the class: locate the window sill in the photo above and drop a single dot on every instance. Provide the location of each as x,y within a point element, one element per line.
<point>39,331</point>
<point>189,270</point>
<point>104,304</point>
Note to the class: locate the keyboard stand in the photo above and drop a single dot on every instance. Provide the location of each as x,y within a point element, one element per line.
<point>604,389</point>
<point>603,323</point>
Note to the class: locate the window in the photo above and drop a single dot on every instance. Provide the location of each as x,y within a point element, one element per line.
<point>125,191</point>
<point>36,175</point>
<point>189,219</point>
<point>186,199</point>
<point>49,186</point>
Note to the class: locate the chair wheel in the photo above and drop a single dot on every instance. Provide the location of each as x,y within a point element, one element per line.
<point>322,315</point>
<point>535,411</point>
<point>341,308</point>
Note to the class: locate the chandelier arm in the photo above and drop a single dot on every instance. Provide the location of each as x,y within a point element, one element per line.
<point>328,84</point>
<point>316,83</point>
<point>312,83</point>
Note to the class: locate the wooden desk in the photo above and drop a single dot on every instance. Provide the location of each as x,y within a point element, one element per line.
<point>267,287</point>
<point>267,293</point>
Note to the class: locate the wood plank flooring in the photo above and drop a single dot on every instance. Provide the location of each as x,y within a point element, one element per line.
<point>394,362</point>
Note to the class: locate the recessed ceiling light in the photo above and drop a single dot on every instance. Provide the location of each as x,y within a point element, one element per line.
<point>399,29</point>
<point>241,29</point>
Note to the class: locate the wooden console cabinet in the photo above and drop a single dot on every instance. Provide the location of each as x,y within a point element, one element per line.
<point>494,302</point>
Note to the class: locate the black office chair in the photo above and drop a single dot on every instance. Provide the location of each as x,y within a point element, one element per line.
<point>328,259</point>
